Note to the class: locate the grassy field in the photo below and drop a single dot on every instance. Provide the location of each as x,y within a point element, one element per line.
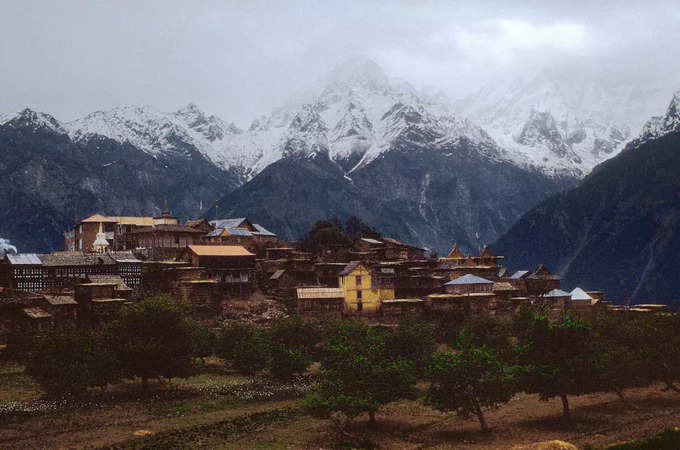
<point>219,409</point>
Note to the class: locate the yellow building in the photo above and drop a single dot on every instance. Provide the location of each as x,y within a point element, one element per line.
<point>364,289</point>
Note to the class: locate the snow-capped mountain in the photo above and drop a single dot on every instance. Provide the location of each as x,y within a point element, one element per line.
<point>659,126</point>
<point>353,113</point>
<point>561,124</point>
<point>33,120</point>
<point>155,132</point>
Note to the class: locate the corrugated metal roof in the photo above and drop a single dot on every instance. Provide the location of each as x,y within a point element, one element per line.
<point>556,293</point>
<point>228,223</point>
<point>469,279</point>
<point>580,294</point>
<point>262,231</point>
<point>320,293</point>
<point>519,274</point>
<point>239,232</point>
<point>219,250</point>
<point>24,259</point>
<point>215,233</point>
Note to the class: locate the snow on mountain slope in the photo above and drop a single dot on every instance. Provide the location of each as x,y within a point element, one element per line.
<point>658,126</point>
<point>559,123</point>
<point>32,119</point>
<point>354,113</point>
<point>155,132</point>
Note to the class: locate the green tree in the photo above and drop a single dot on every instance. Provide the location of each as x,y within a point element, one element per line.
<point>246,346</point>
<point>155,341</point>
<point>488,332</point>
<point>356,229</point>
<point>291,345</point>
<point>559,360</point>
<point>413,340</point>
<point>203,340</point>
<point>359,375</point>
<point>620,341</point>
<point>326,235</point>
<point>71,362</point>
<point>660,348</point>
<point>469,380</point>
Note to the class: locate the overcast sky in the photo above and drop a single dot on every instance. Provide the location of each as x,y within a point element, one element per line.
<point>238,59</point>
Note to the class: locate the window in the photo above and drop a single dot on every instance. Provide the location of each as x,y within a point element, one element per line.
<point>359,295</point>
<point>358,280</point>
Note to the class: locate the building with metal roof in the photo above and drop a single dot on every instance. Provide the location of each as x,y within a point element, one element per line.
<point>469,279</point>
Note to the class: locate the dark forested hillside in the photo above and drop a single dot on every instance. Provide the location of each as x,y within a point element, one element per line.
<point>48,182</point>
<point>424,196</point>
<point>618,231</point>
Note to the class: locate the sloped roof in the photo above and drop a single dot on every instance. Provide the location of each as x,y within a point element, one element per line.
<point>316,292</point>
<point>556,293</point>
<point>262,231</point>
<point>219,250</point>
<point>228,223</point>
<point>455,253</point>
<point>215,233</point>
<point>469,279</point>
<point>276,275</point>
<point>36,313</point>
<point>580,294</point>
<point>24,259</point>
<point>349,268</point>
<point>124,257</point>
<point>372,241</point>
<point>486,253</point>
<point>503,272</point>
<point>519,274</point>
<point>239,232</point>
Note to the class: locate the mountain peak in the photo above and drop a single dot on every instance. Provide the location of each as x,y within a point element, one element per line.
<point>35,120</point>
<point>359,71</point>
<point>658,126</point>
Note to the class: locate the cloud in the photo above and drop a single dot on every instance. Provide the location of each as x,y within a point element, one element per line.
<point>240,59</point>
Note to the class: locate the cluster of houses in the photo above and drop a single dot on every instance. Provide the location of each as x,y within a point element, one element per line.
<point>110,261</point>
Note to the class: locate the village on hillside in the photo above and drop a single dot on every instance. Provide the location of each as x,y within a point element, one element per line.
<point>234,269</point>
